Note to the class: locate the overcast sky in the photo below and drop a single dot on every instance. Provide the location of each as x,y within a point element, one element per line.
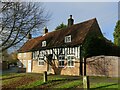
<point>105,12</point>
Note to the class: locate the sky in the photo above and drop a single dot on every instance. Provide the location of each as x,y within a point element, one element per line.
<point>105,11</point>
<point>106,14</point>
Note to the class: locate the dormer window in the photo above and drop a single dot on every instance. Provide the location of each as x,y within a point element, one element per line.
<point>43,43</point>
<point>68,39</point>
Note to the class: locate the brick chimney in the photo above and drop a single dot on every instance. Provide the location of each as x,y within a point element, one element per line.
<point>45,30</point>
<point>29,36</point>
<point>70,21</point>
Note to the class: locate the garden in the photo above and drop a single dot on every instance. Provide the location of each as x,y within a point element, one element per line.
<point>35,81</point>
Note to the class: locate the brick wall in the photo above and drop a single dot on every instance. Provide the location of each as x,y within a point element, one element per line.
<point>75,70</point>
<point>38,68</point>
<point>61,70</point>
<point>103,66</point>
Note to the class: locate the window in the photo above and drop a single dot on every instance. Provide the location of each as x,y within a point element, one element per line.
<point>68,39</point>
<point>33,55</point>
<point>19,63</point>
<point>70,60</point>
<point>61,60</point>
<point>43,43</point>
<point>41,61</point>
<point>24,63</point>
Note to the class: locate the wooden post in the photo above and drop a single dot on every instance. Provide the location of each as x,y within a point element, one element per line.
<point>86,84</point>
<point>45,76</point>
<point>81,61</point>
<point>84,66</point>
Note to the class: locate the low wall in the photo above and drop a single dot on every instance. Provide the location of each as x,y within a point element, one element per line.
<point>103,66</point>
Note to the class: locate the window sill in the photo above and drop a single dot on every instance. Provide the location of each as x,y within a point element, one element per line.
<point>70,66</point>
<point>61,66</point>
<point>40,65</point>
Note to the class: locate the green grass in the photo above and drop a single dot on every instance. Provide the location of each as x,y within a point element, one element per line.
<point>58,81</point>
<point>10,75</point>
<point>104,85</point>
<point>71,84</point>
<point>8,81</point>
<point>31,85</point>
<point>40,82</point>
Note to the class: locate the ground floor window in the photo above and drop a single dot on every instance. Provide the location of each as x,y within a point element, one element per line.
<point>61,60</point>
<point>19,63</point>
<point>70,60</point>
<point>24,63</point>
<point>41,61</point>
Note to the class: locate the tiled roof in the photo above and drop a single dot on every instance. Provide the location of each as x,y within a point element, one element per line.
<point>54,39</point>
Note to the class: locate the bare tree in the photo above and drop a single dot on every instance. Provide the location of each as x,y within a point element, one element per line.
<point>18,19</point>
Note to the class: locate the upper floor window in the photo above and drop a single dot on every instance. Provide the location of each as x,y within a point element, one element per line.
<point>68,39</point>
<point>43,43</point>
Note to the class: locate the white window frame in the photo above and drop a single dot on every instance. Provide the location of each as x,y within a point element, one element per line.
<point>69,60</point>
<point>61,59</point>
<point>33,55</point>
<point>41,60</point>
<point>68,39</point>
<point>43,43</point>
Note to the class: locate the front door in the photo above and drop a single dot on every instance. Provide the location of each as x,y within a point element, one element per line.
<point>29,66</point>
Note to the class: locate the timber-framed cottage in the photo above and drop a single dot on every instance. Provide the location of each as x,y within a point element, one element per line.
<point>62,46</point>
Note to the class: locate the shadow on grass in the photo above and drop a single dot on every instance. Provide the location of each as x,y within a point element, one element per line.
<point>102,87</point>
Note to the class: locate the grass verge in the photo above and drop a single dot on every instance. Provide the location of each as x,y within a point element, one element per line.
<point>71,84</point>
<point>104,85</point>
<point>38,83</point>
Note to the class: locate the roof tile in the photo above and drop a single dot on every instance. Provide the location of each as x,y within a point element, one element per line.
<point>54,39</point>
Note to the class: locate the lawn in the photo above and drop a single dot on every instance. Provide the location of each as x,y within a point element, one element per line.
<point>35,80</point>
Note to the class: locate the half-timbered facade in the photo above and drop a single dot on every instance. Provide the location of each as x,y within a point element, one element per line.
<point>64,47</point>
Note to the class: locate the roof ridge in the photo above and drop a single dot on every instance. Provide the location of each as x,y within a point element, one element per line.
<point>64,28</point>
<point>90,27</point>
<point>73,25</point>
<point>69,27</point>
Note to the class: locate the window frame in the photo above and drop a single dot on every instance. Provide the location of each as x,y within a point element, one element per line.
<point>33,55</point>
<point>67,40</point>
<point>61,60</point>
<point>71,60</point>
<point>41,60</point>
<point>44,43</point>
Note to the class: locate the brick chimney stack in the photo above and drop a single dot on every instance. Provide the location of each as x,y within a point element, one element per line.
<point>45,30</point>
<point>70,21</point>
<point>29,36</point>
